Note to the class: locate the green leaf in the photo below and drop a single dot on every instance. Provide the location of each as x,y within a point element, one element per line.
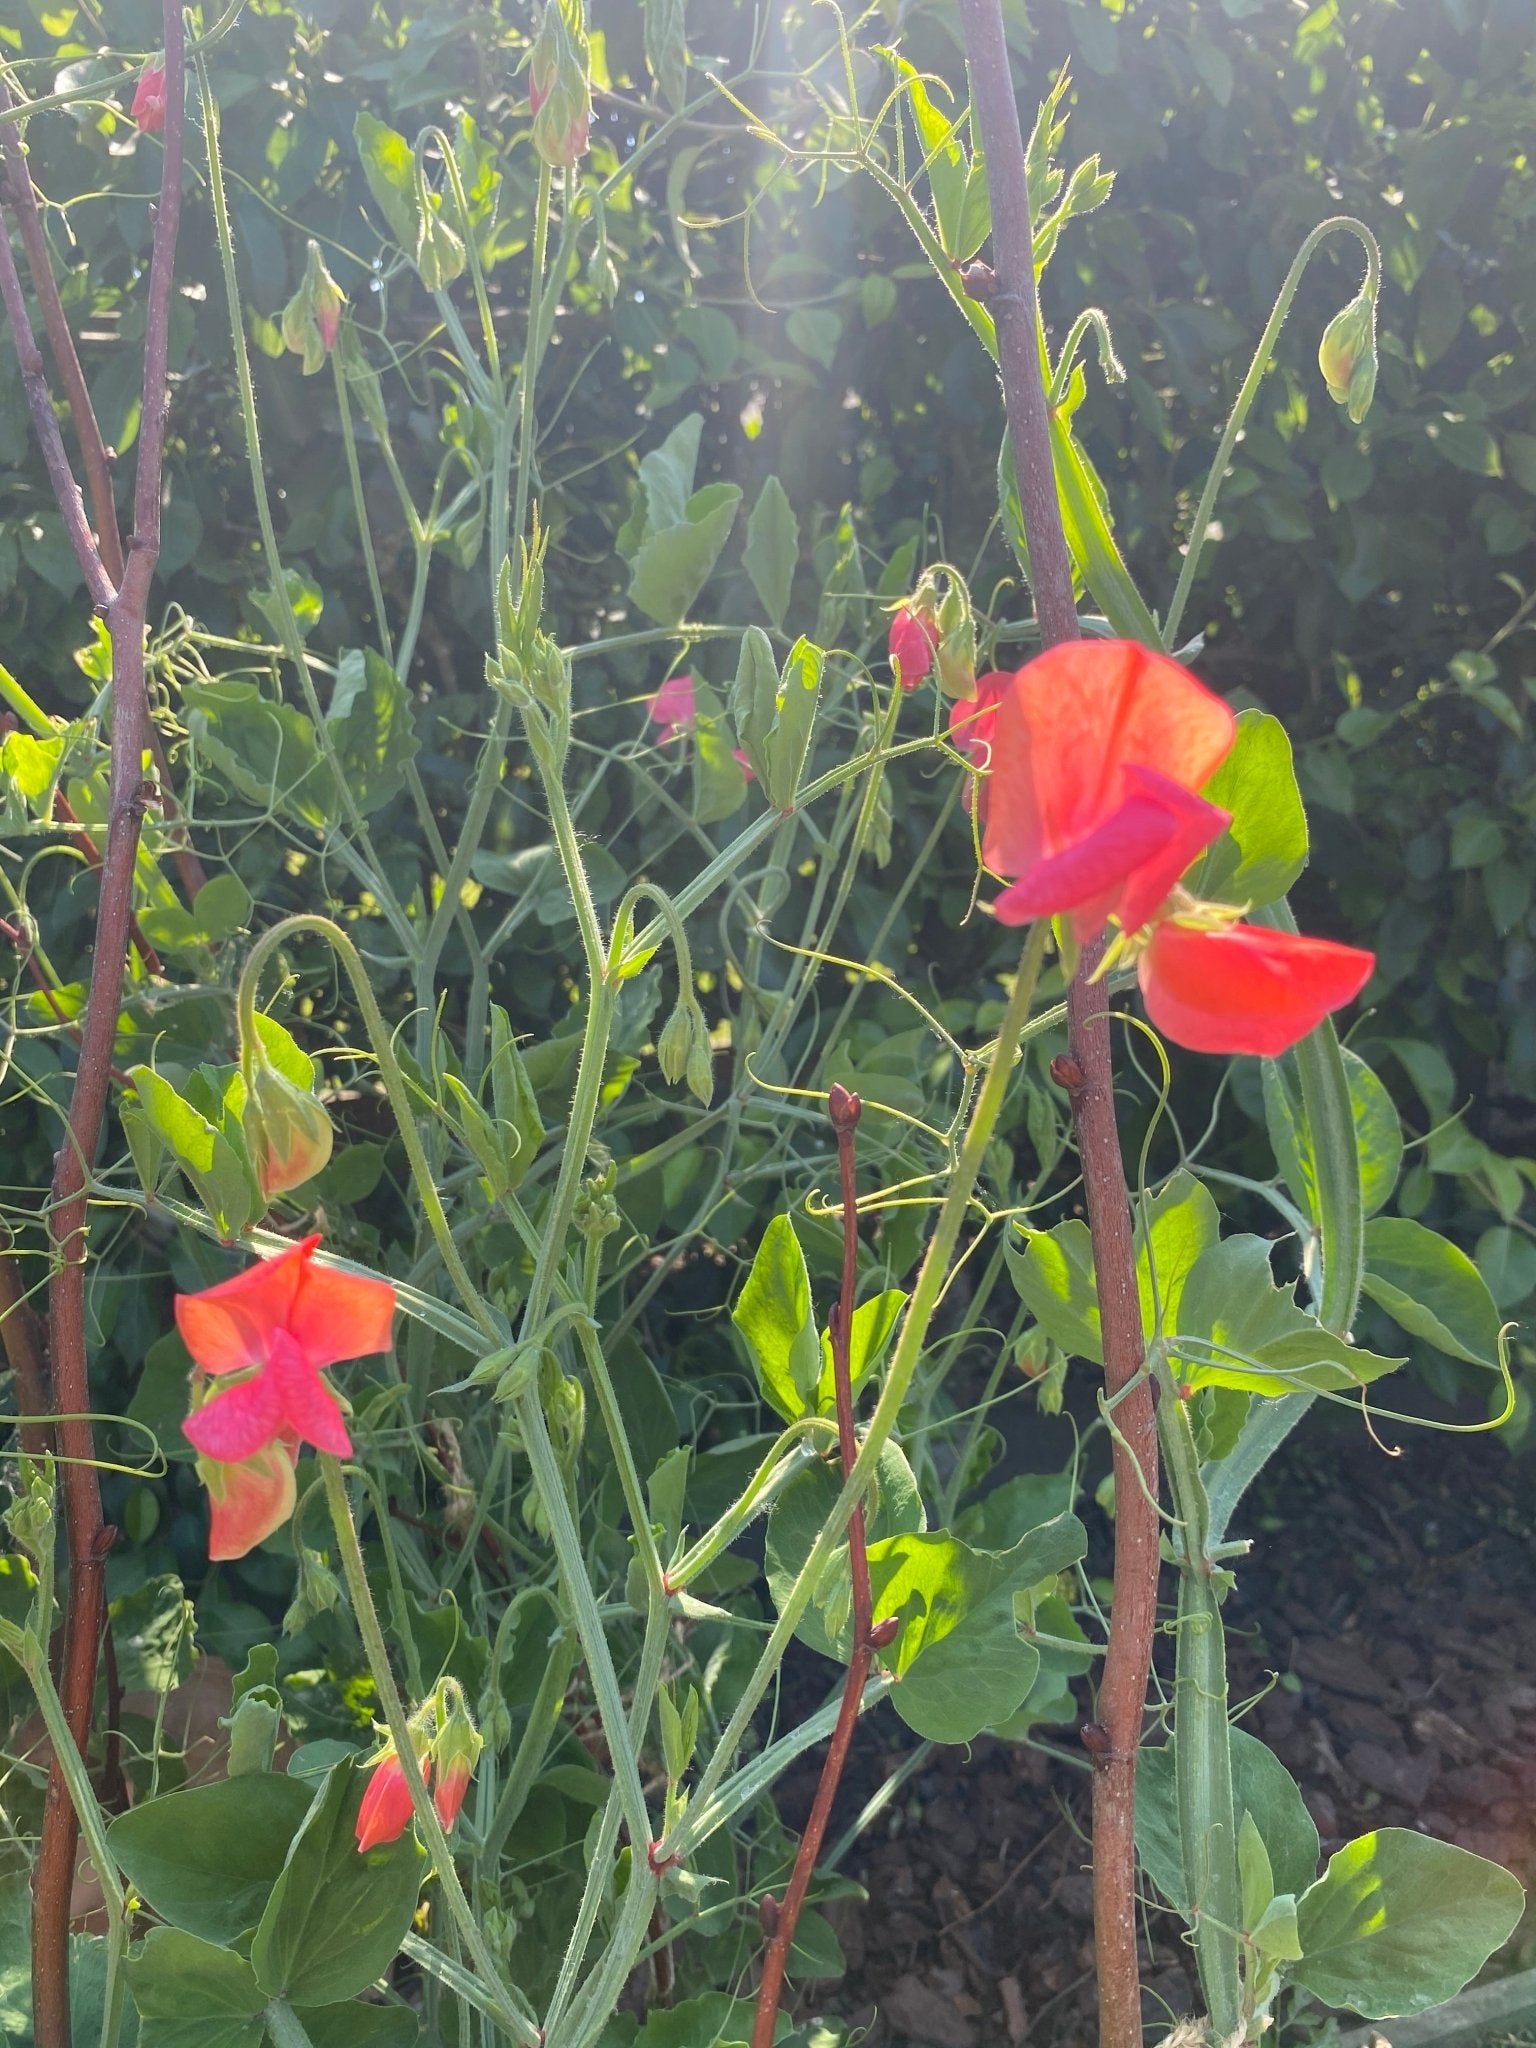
<point>206,1859</point>
<point>266,752</point>
<point>1085,516</point>
<point>1231,1303</point>
<point>336,1917</point>
<point>193,1994</point>
<point>719,781</point>
<point>816,332</point>
<point>389,165</point>
<point>795,1523</point>
<point>773,548</point>
<point>214,1162</point>
<point>773,1313</point>
<point>1173,1228</point>
<point>1398,1923</point>
<point>674,562</point>
<point>1054,1279</point>
<point>221,907</point>
<point>1432,1288</point>
<point>1263,1790</point>
<point>153,1633</point>
<point>962,1663</point>
<point>351,2025</point>
<point>1506,1259</point>
<point>1264,849</point>
<point>1378,1131</point>
<point>755,697</point>
<point>371,728</point>
<point>789,737</point>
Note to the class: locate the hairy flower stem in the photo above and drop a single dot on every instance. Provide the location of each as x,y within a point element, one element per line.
<point>843,1108</point>
<point>1116,1735</point>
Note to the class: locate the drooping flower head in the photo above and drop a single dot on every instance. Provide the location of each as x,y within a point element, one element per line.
<point>385,1813</point>
<point>1099,751</point>
<point>148,107</point>
<point>560,86</point>
<point>446,1745</point>
<point>272,1330</point>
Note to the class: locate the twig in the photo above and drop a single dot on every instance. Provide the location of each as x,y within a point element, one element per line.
<point>779,1918</point>
<point>124,608</point>
<point>1113,1740</point>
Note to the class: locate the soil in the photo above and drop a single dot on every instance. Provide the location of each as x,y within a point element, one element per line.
<point>1384,1629</point>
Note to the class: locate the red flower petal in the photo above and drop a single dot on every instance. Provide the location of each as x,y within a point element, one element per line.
<point>1127,865</point>
<point>1245,989</point>
<point>340,1315</point>
<point>238,1423</point>
<point>1071,725</point>
<point>385,1813</point>
<point>248,1501</point>
<point>229,1328</point>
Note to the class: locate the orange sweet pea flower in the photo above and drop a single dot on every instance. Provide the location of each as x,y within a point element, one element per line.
<point>278,1325</point>
<point>1098,752</point>
<point>1098,749</point>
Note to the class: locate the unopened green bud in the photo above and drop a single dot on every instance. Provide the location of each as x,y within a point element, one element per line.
<point>675,1045</point>
<point>287,1132</point>
<point>956,651</point>
<point>701,1061</point>
<point>559,86</point>
<point>1346,355</point>
<point>312,317</point>
<point>439,250</point>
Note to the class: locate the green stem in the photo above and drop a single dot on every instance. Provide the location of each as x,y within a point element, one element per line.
<point>1248,391</point>
<point>377,1653</point>
<point>1202,1747</point>
<point>360,505</point>
<point>910,1343</point>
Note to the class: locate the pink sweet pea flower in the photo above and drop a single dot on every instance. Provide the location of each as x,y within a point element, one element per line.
<point>914,636</point>
<point>249,1500</point>
<point>673,708</point>
<point>148,107</point>
<point>1098,748</point>
<point>279,1324</point>
<point>385,1813</point>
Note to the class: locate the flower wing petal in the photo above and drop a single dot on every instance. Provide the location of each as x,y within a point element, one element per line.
<point>229,1328</point>
<point>1245,989</point>
<point>340,1315</point>
<point>310,1409</point>
<point>1192,825</point>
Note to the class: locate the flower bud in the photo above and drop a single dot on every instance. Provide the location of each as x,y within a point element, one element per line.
<point>957,641</point>
<point>1346,355</point>
<point>559,88</point>
<point>455,1752</point>
<point>385,1813</point>
<point>148,107</point>
<point>287,1132</point>
<point>675,1045</point>
<point>914,634</point>
<point>312,317</point>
